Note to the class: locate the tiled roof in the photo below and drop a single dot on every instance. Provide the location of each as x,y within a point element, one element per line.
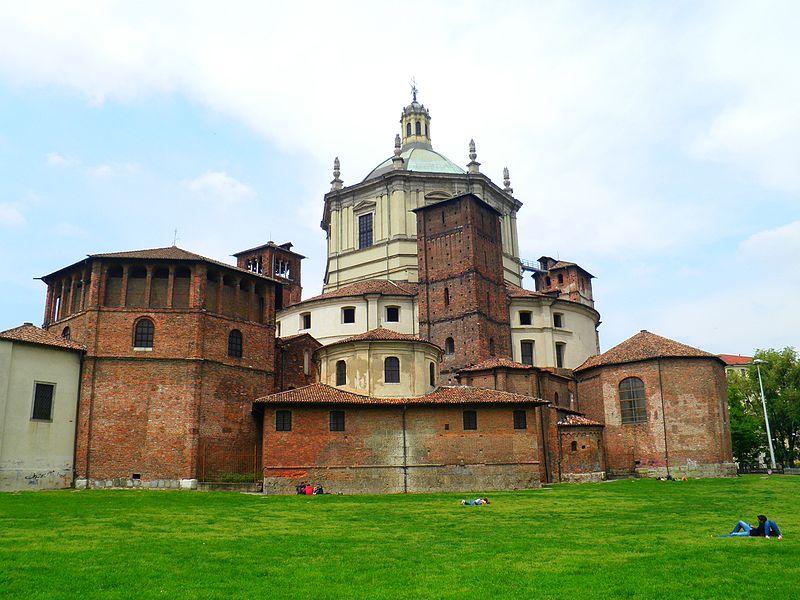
<point>495,363</point>
<point>733,359</point>
<point>643,346</point>
<point>320,393</point>
<point>168,253</point>
<point>379,334</point>
<point>289,339</point>
<point>515,291</point>
<point>579,421</point>
<point>370,286</point>
<point>35,335</point>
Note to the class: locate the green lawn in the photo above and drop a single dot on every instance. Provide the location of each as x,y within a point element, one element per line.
<point>624,539</point>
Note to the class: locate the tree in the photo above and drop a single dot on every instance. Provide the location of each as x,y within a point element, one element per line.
<point>748,436</point>
<point>781,377</point>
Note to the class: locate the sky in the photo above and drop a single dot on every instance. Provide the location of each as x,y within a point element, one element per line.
<point>655,144</point>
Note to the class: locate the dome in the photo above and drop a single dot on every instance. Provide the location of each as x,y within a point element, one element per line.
<point>422,160</point>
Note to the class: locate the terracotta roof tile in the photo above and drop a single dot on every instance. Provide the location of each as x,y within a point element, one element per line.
<point>578,421</point>
<point>644,346</point>
<point>290,339</point>
<point>515,291</point>
<point>495,363</point>
<point>733,359</point>
<point>370,286</point>
<point>35,335</point>
<point>379,334</point>
<point>320,393</point>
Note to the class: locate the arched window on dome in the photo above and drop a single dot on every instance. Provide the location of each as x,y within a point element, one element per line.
<point>408,129</point>
<point>432,374</point>
<point>391,369</point>
<point>341,372</point>
<point>419,128</point>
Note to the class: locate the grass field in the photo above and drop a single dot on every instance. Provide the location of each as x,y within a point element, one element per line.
<point>624,539</point>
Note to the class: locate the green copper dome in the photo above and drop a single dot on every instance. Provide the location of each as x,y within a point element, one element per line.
<point>418,159</point>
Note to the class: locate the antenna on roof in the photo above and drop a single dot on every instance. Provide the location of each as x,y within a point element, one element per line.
<point>175,237</point>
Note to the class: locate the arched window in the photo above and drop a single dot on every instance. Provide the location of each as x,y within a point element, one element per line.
<point>447,296</point>
<point>65,333</point>
<point>432,374</point>
<point>235,343</point>
<point>449,346</point>
<point>631,401</point>
<point>391,369</point>
<point>419,128</point>
<point>408,129</point>
<point>341,372</point>
<point>143,333</point>
<point>573,446</point>
<point>491,346</point>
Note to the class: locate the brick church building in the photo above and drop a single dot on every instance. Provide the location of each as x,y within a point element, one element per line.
<point>423,365</point>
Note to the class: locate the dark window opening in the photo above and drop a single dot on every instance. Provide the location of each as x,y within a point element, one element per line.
<point>341,372</point>
<point>235,344</point>
<point>560,355</point>
<point>631,400</point>
<point>391,369</point>
<point>558,320</point>
<point>555,398</point>
<point>143,334</point>
<point>349,315</point>
<point>447,296</point>
<point>432,374</point>
<point>66,333</point>
<point>43,401</point>
<point>560,279</point>
<point>470,420</point>
<point>392,314</point>
<point>547,281</point>
<point>449,346</point>
<point>520,419</point>
<point>524,318</point>
<point>527,352</point>
<point>365,231</point>
<point>305,321</point>
<point>283,420</point>
<point>491,346</point>
<point>573,446</point>
<point>418,128</point>
<point>408,129</point>
<point>337,420</point>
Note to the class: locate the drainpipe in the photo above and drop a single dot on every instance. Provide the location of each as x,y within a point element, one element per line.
<point>663,417</point>
<point>405,453</point>
<point>77,418</point>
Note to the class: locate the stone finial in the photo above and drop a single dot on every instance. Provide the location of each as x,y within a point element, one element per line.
<point>507,182</point>
<point>473,165</point>
<point>336,184</point>
<point>397,160</point>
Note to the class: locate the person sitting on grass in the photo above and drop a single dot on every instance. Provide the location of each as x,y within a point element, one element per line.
<point>476,502</point>
<point>766,528</point>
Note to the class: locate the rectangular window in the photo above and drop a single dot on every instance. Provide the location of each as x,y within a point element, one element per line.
<point>337,420</point>
<point>470,420</point>
<point>392,314</point>
<point>365,231</point>
<point>283,420</point>
<point>524,317</point>
<point>558,320</point>
<point>43,401</point>
<point>349,315</point>
<point>527,352</point>
<point>560,347</point>
<point>305,321</point>
<point>520,419</point>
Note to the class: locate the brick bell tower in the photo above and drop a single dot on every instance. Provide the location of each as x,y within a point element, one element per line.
<point>463,306</point>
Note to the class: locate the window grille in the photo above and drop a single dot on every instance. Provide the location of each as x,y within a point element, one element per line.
<point>365,231</point>
<point>470,420</point>
<point>527,352</point>
<point>235,344</point>
<point>631,400</point>
<point>283,420</point>
<point>143,334</point>
<point>43,401</point>
<point>391,370</point>
<point>337,420</point>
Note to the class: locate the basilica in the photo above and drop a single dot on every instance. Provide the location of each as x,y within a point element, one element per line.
<point>425,364</point>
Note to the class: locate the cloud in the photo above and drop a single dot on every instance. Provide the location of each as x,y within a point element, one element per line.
<point>11,214</point>
<point>220,187</point>
<point>54,159</point>
<point>777,248</point>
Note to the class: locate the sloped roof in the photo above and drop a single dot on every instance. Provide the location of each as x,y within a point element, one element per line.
<point>320,393</point>
<point>420,158</point>
<point>733,359</point>
<point>578,421</point>
<point>35,335</point>
<point>370,286</point>
<point>379,334</point>
<point>495,363</point>
<point>644,346</point>
<point>291,339</point>
<point>515,291</point>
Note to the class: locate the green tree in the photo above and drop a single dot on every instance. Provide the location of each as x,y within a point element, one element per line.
<point>781,377</point>
<point>748,436</point>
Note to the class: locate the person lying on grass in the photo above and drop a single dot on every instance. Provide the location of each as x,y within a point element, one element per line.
<point>766,528</point>
<point>476,502</point>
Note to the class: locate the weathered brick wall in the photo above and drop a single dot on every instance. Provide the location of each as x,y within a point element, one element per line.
<point>294,362</point>
<point>369,456</point>
<point>581,456</point>
<point>691,428</point>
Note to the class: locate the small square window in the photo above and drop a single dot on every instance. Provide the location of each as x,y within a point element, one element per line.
<point>337,420</point>
<point>558,320</point>
<point>283,420</point>
<point>43,401</point>
<point>392,314</point>
<point>520,419</point>
<point>524,317</point>
<point>349,315</point>
<point>305,321</point>
<point>470,420</point>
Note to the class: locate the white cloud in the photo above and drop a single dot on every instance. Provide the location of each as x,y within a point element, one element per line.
<point>218,186</point>
<point>99,171</point>
<point>54,159</point>
<point>775,248</point>
<point>11,214</point>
